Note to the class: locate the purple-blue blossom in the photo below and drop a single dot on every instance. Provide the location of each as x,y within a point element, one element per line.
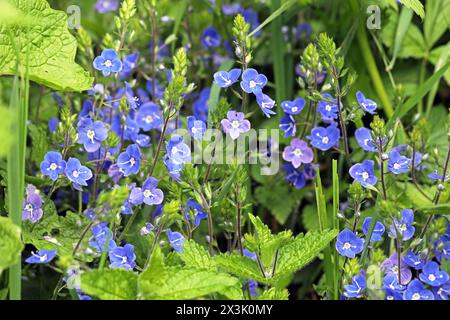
<point>123,257</point>
<point>357,286</point>
<point>41,256</point>
<point>225,79</point>
<point>176,240</point>
<point>364,138</point>
<point>77,173</point>
<point>397,163</point>
<point>211,38</point>
<point>196,127</point>
<point>298,152</point>
<point>148,194</point>
<point>266,104</point>
<point>235,124</point>
<point>348,244</point>
<point>363,173</point>
<point>91,134</point>
<point>433,275</point>
<point>325,138</point>
<point>129,161</point>
<point>252,81</point>
<point>108,62</point>
<point>378,231</point>
<point>417,291</point>
<point>53,165</point>
<point>367,105</point>
<point>293,107</point>
<point>403,228</point>
<point>149,116</point>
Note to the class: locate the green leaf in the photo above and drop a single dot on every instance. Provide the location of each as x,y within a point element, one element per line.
<point>10,244</point>
<point>404,22</point>
<point>39,139</point>
<point>196,256</point>
<point>110,284</point>
<point>442,208</point>
<point>52,48</point>
<point>172,283</point>
<point>421,91</point>
<point>439,56</point>
<point>436,21</point>
<point>274,294</point>
<point>302,250</point>
<point>416,6</point>
<point>241,266</point>
<point>5,130</point>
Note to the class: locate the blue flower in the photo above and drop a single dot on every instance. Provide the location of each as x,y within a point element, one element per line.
<point>176,240</point>
<point>366,104</point>
<point>77,173</point>
<point>91,134</point>
<point>414,261</point>
<point>266,104</point>
<point>438,176</point>
<point>173,168</point>
<point>442,249</point>
<point>363,173</point>
<point>365,141</point>
<point>103,6</point>
<point>101,234</point>
<point>129,64</point>
<point>132,100</point>
<point>328,110</point>
<point>196,127</point>
<point>123,257</point>
<point>235,124</point>
<point>348,244</point>
<point>231,9</point>
<point>149,116</point>
<point>416,291</point>
<point>252,81</point>
<point>250,254</point>
<point>129,161</point>
<point>32,205</point>
<point>432,275</point>
<point>177,150</point>
<point>148,194</point>
<point>53,124</point>
<point>358,285</point>
<point>159,90</point>
<point>197,212</point>
<point>42,256</point>
<point>142,140</point>
<point>200,106</point>
<point>225,79</point>
<point>288,125</point>
<point>390,266</point>
<point>147,229</point>
<point>378,231</point>
<point>251,17</point>
<point>325,138</point>
<point>390,281</point>
<point>293,107</point>
<point>210,38</point>
<point>404,227</point>
<point>295,176</point>
<point>53,165</point>
<point>298,152</point>
<point>108,62</point>
<point>442,293</point>
<point>393,294</point>
<point>397,163</point>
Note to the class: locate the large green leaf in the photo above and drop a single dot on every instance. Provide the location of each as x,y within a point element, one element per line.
<point>5,130</point>
<point>415,5</point>
<point>241,266</point>
<point>196,256</point>
<point>110,284</point>
<point>52,48</point>
<point>436,21</point>
<point>10,244</point>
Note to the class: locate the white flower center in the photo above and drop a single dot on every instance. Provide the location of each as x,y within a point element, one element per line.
<point>43,258</point>
<point>108,63</point>
<point>90,134</point>
<point>416,296</point>
<point>174,149</point>
<point>29,207</point>
<point>235,124</point>
<point>347,245</point>
<point>365,175</point>
<point>148,119</point>
<point>75,173</point>
<point>132,161</point>
<point>194,130</point>
<point>328,107</point>
<point>432,277</point>
<point>402,227</point>
<point>298,152</point>
<point>325,140</point>
<point>124,260</point>
<point>396,166</point>
<point>252,84</point>
<point>148,193</point>
<point>294,109</point>
<point>53,166</point>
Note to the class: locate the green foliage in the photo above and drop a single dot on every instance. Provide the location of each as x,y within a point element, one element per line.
<point>110,284</point>
<point>415,5</point>
<point>5,130</point>
<point>196,256</point>
<point>51,55</point>
<point>274,294</point>
<point>39,139</point>
<point>10,244</point>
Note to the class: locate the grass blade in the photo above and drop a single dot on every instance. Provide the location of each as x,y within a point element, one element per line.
<point>215,90</point>
<point>275,14</point>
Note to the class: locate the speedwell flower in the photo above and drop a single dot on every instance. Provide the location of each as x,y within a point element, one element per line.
<point>252,81</point>
<point>210,38</point>
<point>298,152</point>
<point>348,244</point>
<point>148,194</point>
<point>108,62</point>
<point>397,163</point>
<point>416,291</point>
<point>365,141</point>
<point>176,240</point>
<point>91,134</point>
<point>53,165</point>
<point>366,104</point>
<point>433,275</point>
<point>123,257</point>
<point>225,79</point>
<point>404,226</point>
<point>363,173</point>
<point>378,231</point>
<point>293,107</point>
<point>324,138</point>
<point>77,173</point>
<point>42,256</point>
<point>235,124</point>
<point>196,127</point>
<point>129,161</point>
<point>149,116</point>
<point>355,289</point>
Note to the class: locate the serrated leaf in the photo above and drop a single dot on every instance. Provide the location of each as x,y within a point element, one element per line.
<point>110,284</point>
<point>51,47</point>
<point>274,294</point>
<point>416,6</point>
<point>436,21</point>
<point>240,266</point>
<point>196,256</point>
<point>10,244</point>
<point>302,250</point>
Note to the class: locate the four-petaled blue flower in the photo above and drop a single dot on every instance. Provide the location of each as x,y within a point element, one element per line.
<point>149,116</point>
<point>108,62</point>
<point>298,152</point>
<point>148,194</point>
<point>101,234</point>
<point>365,141</point>
<point>32,205</point>
<point>413,260</point>
<point>252,81</point>
<point>42,256</point>
<point>178,151</point>
<point>397,163</point>
<point>355,289</point>
<point>293,107</point>
<point>123,257</point>
<point>210,38</point>
<point>53,165</point>
<point>348,244</point>
<point>196,127</point>
<point>266,104</point>
<point>404,226</point>
<point>91,134</point>
<point>294,176</point>
<point>176,240</point>
<point>378,231</point>
<point>438,176</point>
<point>225,79</point>
<point>325,138</point>
<point>103,6</point>
<point>432,275</point>
<point>77,173</point>
<point>235,124</point>
<point>366,104</point>
<point>328,110</point>
<point>194,209</point>
<point>416,291</point>
<point>129,161</point>
<point>363,173</point>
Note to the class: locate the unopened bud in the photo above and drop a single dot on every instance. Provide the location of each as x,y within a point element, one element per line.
<point>441,187</point>
<point>384,157</point>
